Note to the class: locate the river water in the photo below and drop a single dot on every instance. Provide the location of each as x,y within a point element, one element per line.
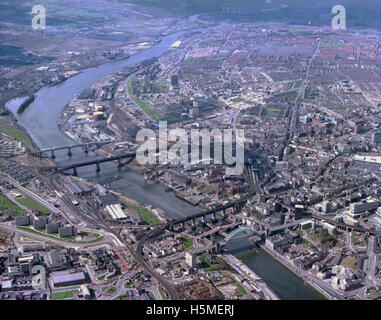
<point>40,121</point>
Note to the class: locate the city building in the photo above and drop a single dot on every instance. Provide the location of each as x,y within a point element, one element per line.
<point>190,259</point>
<point>68,279</point>
<point>359,208</point>
<point>22,220</point>
<point>376,137</point>
<point>67,231</point>
<point>52,227</point>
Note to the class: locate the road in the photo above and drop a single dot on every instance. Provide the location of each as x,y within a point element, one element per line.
<point>372,263</point>
<point>294,111</point>
<point>42,238</point>
<point>40,200</point>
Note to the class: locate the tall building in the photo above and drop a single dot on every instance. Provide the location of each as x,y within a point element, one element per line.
<point>39,222</point>
<point>67,231</point>
<point>52,227</point>
<point>23,220</point>
<point>190,259</point>
<point>358,208</point>
<point>174,81</point>
<point>376,138</point>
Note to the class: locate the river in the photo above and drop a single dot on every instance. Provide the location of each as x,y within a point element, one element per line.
<point>40,120</point>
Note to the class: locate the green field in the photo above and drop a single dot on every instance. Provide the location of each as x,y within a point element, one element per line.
<point>19,136</point>
<point>163,296</point>
<point>187,243</point>
<point>207,266</point>
<point>121,296</point>
<point>65,239</point>
<point>5,203</point>
<point>240,289</point>
<point>273,113</point>
<point>112,290</point>
<point>145,214</point>
<point>62,295</point>
<point>101,278</point>
<point>30,203</point>
<point>297,84</point>
<point>143,105</point>
<point>151,295</point>
<point>349,262</point>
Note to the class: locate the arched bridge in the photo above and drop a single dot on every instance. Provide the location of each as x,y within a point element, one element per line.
<point>237,232</point>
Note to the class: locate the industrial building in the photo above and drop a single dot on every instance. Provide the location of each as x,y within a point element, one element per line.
<point>77,188</point>
<point>116,212</point>
<point>68,279</point>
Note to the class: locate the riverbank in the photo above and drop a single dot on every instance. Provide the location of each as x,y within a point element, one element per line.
<point>306,280</point>
<point>256,281</point>
<point>40,121</point>
<point>26,104</point>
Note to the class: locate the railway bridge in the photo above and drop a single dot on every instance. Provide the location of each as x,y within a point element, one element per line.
<point>85,147</point>
<point>97,162</point>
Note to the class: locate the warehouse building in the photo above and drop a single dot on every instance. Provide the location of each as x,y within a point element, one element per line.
<point>116,212</point>
<point>77,188</point>
<point>68,279</point>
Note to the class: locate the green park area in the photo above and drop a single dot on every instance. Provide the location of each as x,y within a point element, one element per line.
<point>206,265</point>
<point>144,213</point>
<point>142,104</point>
<point>273,113</point>
<point>240,291</point>
<point>123,295</point>
<point>32,204</point>
<point>112,290</point>
<point>297,84</point>
<point>63,295</point>
<point>19,136</point>
<point>349,262</point>
<point>151,295</point>
<point>101,278</point>
<point>163,295</point>
<point>5,204</point>
<point>65,239</point>
<point>187,243</point>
